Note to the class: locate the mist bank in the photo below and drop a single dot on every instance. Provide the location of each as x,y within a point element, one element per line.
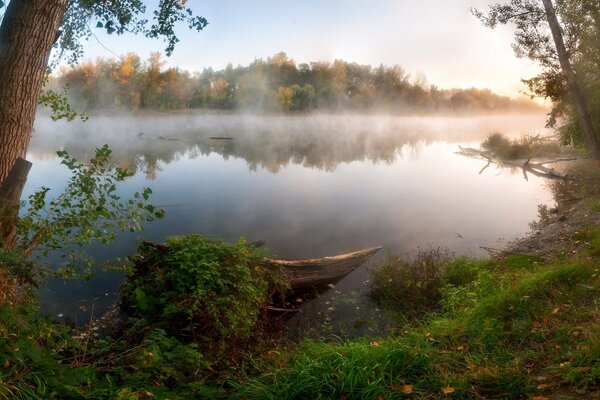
<point>275,85</point>
<point>271,142</point>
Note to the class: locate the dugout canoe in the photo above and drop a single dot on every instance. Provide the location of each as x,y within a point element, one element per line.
<point>311,272</point>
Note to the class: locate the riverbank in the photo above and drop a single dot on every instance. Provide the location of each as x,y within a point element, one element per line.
<point>524,323</point>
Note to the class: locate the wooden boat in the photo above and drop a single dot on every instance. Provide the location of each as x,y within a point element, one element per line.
<point>311,272</point>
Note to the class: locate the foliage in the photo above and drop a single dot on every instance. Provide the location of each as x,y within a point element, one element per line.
<point>511,328</point>
<point>202,291</point>
<point>30,348</point>
<point>84,18</point>
<point>271,85</point>
<point>580,25</point>
<point>88,210</point>
<point>59,105</point>
<point>111,17</point>
<point>523,148</point>
<point>409,285</point>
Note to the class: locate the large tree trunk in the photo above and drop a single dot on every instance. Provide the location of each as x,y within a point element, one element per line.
<point>27,33</point>
<point>587,128</point>
<point>10,196</point>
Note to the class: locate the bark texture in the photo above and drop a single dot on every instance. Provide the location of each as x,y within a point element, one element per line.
<point>27,34</point>
<point>587,128</point>
<point>10,196</point>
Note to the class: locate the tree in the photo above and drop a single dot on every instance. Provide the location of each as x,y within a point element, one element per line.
<point>555,44</point>
<point>581,106</point>
<point>31,28</point>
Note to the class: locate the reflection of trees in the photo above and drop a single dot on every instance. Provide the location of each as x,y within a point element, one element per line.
<point>272,143</point>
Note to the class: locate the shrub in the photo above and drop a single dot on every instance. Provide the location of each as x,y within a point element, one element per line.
<point>31,348</point>
<point>523,148</point>
<point>410,285</point>
<point>495,141</point>
<point>89,210</point>
<point>201,290</point>
<point>505,148</point>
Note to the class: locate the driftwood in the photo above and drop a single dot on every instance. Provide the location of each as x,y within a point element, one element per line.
<point>10,197</point>
<point>538,168</point>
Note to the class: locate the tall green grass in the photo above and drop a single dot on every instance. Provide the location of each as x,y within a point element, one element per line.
<point>506,332</point>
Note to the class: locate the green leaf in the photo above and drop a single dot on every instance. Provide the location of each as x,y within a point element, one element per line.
<point>141,300</point>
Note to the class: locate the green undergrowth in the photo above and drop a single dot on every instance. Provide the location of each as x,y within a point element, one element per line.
<point>409,286</point>
<point>508,328</point>
<point>590,238</point>
<point>190,312</point>
<point>201,291</point>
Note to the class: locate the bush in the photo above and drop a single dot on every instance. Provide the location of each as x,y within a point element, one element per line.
<point>201,290</point>
<point>495,141</point>
<point>505,148</point>
<point>31,348</point>
<point>410,286</point>
<point>523,148</point>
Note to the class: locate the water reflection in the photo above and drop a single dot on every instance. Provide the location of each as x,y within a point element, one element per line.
<point>265,142</point>
<point>310,186</point>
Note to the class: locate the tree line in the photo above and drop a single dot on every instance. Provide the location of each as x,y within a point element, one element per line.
<point>277,84</point>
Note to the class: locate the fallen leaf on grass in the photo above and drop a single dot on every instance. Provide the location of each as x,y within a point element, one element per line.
<point>540,398</point>
<point>447,390</point>
<point>406,389</point>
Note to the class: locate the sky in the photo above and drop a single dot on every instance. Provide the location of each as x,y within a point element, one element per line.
<point>437,38</point>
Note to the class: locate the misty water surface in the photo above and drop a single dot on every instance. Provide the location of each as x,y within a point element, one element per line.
<point>308,185</point>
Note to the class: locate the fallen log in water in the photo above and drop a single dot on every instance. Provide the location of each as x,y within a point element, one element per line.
<point>537,169</point>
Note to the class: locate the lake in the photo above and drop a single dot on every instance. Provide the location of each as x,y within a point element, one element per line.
<point>309,185</point>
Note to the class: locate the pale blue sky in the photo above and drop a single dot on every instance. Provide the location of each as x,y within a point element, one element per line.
<point>439,38</point>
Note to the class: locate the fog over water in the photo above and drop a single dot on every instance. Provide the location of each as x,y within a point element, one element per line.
<point>309,185</point>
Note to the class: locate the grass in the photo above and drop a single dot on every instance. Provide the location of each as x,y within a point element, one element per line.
<point>522,148</point>
<point>505,328</point>
<point>189,313</point>
<point>511,328</point>
<point>408,285</point>
<point>595,205</point>
<point>590,237</point>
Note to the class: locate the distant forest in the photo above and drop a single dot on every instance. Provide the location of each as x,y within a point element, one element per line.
<point>277,84</point>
